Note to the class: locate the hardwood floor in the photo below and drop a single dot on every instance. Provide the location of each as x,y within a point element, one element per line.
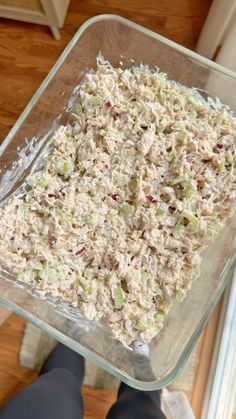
<point>12,377</point>
<point>27,52</point>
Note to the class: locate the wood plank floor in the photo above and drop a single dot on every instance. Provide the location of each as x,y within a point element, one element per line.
<point>27,52</point>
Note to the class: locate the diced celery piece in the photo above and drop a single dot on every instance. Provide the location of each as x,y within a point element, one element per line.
<point>118,298</point>
<point>38,266</point>
<point>133,184</point>
<point>69,217</point>
<point>160,94</point>
<point>194,221</point>
<point>178,230</point>
<point>221,164</point>
<point>182,136</point>
<point>189,189</point>
<point>128,208</point>
<point>222,117</point>
<point>178,179</point>
<point>20,274</point>
<point>34,181</point>
<point>192,114</point>
<point>143,325</point>
<point>180,295</point>
<point>78,107</point>
<point>121,181</point>
<point>65,168</point>
<point>178,126</point>
<point>59,213</point>
<point>144,277</point>
<point>95,270</point>
<point>159,128</point>
<point>214,214</point>
<point>89,218</point>
<point>112,213</point>
<point>158,289</point>
<point>31,181</point>
<point>188,192</point>
<point>162,79</point>
<point>43,183</point>
<point>192,101</point>
<point>89,273</point>
<point>80,302</point>
<point>68,133</point>
<point>162,209</point>
<point>50,274</point>
<point>171,156</point>
<point>154,77</point>
<point>89,290</point>
<point>64,216</point>
<point>160,314</point>
<point>95,100</point>
<point>214,227</point>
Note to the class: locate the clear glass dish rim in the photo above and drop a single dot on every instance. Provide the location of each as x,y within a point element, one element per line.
<point>98,359</point>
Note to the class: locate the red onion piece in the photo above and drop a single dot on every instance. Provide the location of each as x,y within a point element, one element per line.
<point>80,252</point>
<point>151,199</point>
<point>114,196</point>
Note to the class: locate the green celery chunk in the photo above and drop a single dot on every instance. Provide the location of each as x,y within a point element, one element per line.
<point>95,100</point>
<point>194,221</point>
<point>180,295</point>
<point>128,208</point>
<point>65,168</point>
<point>118,298</point>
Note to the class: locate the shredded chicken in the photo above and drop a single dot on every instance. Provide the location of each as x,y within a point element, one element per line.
<point>136,186</point>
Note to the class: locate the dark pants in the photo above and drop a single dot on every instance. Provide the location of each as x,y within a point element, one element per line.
<point>56,394</point>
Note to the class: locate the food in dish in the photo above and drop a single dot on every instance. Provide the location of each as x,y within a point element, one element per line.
<point>136,186</point>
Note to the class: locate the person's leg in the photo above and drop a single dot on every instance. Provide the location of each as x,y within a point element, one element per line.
<point>136,404</point>
<point>56,392</point>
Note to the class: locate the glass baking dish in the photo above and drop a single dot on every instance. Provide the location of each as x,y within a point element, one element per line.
<point>141,366</point>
